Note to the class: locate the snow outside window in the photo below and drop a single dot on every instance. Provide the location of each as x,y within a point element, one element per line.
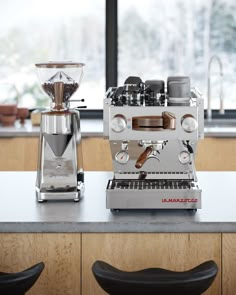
<point>160,38</point>
<point>51,30</point>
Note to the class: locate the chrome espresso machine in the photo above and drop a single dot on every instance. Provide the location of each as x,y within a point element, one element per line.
<point>153,132</point>
<point>60,174</point>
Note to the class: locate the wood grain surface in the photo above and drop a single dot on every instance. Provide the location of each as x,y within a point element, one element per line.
<point>137,251</point>
<point>216,154</point>
<point>229,264</point>
<point>96,154</point>
<point>60,252</point>
<point>18,153</point>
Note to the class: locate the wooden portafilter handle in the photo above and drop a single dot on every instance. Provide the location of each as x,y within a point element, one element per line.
<point>143,157</point>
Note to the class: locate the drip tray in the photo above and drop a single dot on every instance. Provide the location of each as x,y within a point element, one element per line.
<point>153,194</point>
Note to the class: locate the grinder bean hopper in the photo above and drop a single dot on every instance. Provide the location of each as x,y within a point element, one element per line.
<point>60,173</point>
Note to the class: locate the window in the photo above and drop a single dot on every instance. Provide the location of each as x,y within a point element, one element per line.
<point>40,31</point>
<point>158,39</point>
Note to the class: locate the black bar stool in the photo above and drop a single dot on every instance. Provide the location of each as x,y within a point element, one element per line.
<point>19,283</point>
<point>155,280</point>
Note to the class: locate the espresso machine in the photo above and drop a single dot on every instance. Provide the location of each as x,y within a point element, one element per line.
<point>153,132</point>
<point>60,172</point>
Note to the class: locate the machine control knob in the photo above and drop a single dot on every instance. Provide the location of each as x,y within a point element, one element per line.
<point>118,123</point>
<point>189,123</point>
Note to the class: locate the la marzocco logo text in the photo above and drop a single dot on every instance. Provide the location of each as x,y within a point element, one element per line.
<point>186,200</point>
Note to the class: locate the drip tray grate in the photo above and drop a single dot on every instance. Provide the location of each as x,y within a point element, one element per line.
<point>124,184</point>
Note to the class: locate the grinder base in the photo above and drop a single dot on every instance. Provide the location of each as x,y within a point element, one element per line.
<point>72,195</point>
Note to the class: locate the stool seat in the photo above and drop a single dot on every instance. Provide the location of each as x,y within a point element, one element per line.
<point>19,283</point>
<point>156,281</point>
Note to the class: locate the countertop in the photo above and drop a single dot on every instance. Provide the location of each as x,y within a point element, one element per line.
<point>20,212</point>
<point>94,128</point>
<point>220,132</point>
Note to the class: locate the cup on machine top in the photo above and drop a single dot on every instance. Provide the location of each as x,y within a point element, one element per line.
<point>178,90</point>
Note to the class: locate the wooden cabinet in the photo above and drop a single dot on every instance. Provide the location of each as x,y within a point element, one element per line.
<point>133,251</point>
<point>68,257</point>
<point>21,153</point>
<point>18,153</point>
<point>61,254</point>
<point>228,263</point>
<point>96,154</point>
<point>216,154</point>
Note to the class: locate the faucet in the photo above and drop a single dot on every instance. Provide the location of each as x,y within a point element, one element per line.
<point>209,110</point>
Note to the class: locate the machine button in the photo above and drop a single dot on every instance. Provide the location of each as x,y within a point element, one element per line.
<point>118,123</point>
<point>189,123</point>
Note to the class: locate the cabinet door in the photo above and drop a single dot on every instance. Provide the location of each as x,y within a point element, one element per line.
<point>60,253</point>
<point>229,264</point>
<point>19,153</point>
<point>133,251</point>
<point>96,154</point>
<point>216,154</point>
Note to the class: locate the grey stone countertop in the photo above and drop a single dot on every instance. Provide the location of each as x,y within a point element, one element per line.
<point>220,132</point>
<point>94,128</point>
<point>20,212</point>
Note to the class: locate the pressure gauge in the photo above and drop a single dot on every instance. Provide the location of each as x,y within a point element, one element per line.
<point>122,157</point>
<point>184,157</point>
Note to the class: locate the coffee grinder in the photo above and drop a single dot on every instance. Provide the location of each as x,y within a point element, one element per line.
<point>60,174</point>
